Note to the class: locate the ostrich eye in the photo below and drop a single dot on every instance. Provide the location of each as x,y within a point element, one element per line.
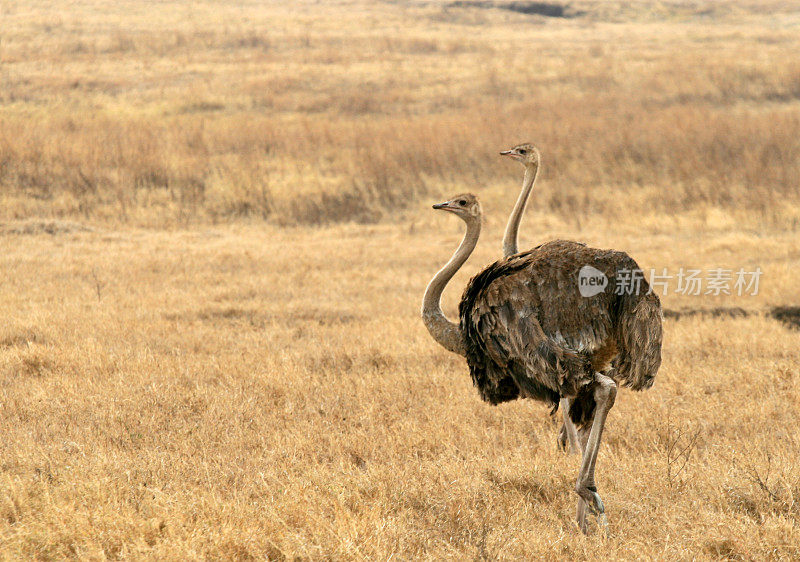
<point>522,151</point>
<point>462,202</point>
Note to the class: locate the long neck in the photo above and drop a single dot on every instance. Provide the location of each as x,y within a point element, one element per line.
<point>445,332</point>
<point>512,230</point>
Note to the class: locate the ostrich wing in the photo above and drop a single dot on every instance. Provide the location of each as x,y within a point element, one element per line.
<point>507,347</point>
<point>524,319</point>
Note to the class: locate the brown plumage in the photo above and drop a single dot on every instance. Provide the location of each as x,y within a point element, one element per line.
<point>525,322</point>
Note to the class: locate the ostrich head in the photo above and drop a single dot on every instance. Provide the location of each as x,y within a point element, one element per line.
<point>465,206</point>
<point>526,154</point>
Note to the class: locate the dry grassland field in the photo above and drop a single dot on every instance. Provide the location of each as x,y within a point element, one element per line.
<point>215,235</point>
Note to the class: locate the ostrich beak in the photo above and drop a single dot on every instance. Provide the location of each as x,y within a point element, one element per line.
<point>506,153</point>
<point>441,205</point>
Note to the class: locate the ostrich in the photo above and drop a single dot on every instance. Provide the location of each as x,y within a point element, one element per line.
<point>526,332</point>
<point>528,155</point>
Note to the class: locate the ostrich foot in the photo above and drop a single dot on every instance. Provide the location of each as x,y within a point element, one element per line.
<point>591,501</point>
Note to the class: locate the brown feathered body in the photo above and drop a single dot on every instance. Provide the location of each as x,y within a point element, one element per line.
<point>529,333</point>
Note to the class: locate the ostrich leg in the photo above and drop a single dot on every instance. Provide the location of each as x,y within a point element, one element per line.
<point>568,433</point>
<point>604,395</point>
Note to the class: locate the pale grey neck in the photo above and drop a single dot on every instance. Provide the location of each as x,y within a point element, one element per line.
<point>510,239</point>
<point>445,332</point>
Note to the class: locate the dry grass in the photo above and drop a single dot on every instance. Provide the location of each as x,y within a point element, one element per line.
<point>177,384</point>
<point>248,391</point>
<point>314,114</point>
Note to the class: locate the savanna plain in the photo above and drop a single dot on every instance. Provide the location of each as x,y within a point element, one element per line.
<point>215,233</point>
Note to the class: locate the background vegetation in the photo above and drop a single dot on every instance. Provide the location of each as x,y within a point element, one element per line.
<point>310,113</point>
<point>215,231</point>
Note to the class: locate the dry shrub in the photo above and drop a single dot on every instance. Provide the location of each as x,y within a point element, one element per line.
<point>678,159</point>
<point>336,126</point>
<point>331,125</point>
